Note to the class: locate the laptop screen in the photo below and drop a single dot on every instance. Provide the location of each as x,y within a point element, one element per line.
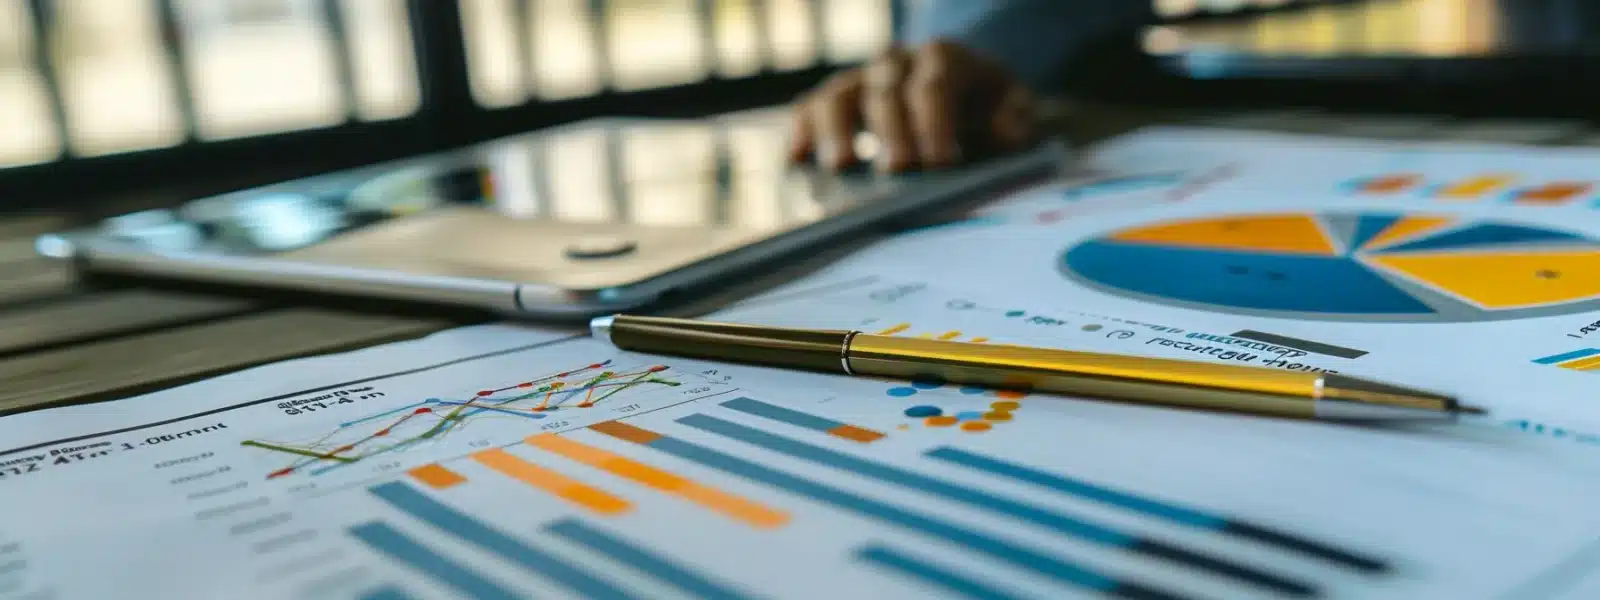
<point>1405,29</point>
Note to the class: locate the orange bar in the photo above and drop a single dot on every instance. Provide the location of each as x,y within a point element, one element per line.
<point>626,432</point>
<point>1474,187</point>
<point>753,514</point>
<point>949,335</point>
<point>1553,193</point>
<point>1582,364</point>
<point>559,485</point>
<point>896,329</point>
<point>1389,184</point>
<point>978,340</point>
<point>855,434</point>
<point>436,476</point>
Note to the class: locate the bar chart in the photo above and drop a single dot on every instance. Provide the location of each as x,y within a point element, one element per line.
<point>716,480</point>
<point>613,473</point>
<point>1490,187</point>
<point>1586,359</point>
<point>793,417</point>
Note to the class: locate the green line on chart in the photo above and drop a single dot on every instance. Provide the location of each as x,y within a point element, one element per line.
<point>286,449</point>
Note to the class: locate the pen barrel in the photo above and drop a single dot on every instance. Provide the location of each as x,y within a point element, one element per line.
<point>815,350</point>
<point>1141,380</point>
<point>1145,380</point>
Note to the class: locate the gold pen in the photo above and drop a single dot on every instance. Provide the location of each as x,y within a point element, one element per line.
<point>1141,380</point>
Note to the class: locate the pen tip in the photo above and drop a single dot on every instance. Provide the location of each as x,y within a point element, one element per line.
<point>1471,410</point>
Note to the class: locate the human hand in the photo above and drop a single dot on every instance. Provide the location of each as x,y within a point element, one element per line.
<point>924,105</point>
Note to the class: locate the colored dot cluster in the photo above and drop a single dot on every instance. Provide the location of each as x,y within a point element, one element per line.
<point>972,420</point>
<point>1018,313</point>
<point>907,391</point>
<point>975,421</point>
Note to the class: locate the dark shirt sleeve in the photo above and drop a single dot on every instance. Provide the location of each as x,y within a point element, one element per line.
<point>1033,38</point>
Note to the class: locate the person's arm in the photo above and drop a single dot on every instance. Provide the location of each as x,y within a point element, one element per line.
<point>1033,39</point>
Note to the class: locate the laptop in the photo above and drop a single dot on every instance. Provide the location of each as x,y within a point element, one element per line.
<point>1531,56</point>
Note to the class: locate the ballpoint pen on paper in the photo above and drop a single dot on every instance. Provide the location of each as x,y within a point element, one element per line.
<point>1141,380</point>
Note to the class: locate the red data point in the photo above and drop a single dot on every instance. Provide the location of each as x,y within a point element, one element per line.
<point>343,449</point>
<point>486,393</point>
<point>525,385</point>
<point>381,433</point>
<point>658,368</point>
<point>597,365</point>
<point>422,411</point>
<point>280,473</point>
<point>585,404</point>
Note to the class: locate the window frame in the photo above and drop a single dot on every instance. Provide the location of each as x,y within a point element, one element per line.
<point>447,116</point>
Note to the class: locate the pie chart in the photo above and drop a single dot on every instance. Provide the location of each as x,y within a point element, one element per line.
<point>1347,266</point>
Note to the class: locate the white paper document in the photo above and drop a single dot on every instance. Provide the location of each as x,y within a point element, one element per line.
<point>545,466</point>
<point>1472,269</point>
<point>506,462</point>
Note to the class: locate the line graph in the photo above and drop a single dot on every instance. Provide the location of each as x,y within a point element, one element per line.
<point>434,419</point>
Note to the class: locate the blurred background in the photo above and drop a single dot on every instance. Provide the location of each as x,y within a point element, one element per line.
<point>100,96</point>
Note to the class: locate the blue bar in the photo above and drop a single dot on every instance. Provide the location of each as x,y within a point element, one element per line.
<point>1561,358</point>
<point>388,593</point>
<point>888,474</point>
<point>1081,489</point>
<point>473,531</point>
<point>751,406</point>
<point>1161,510</point>
<point>1019,556</point>
<point>931,573</point>
<point>398,546</point>
<point>981,500</point>
<point>651,563</point>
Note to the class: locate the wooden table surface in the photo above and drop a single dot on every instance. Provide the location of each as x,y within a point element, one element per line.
<point>64,340</point>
